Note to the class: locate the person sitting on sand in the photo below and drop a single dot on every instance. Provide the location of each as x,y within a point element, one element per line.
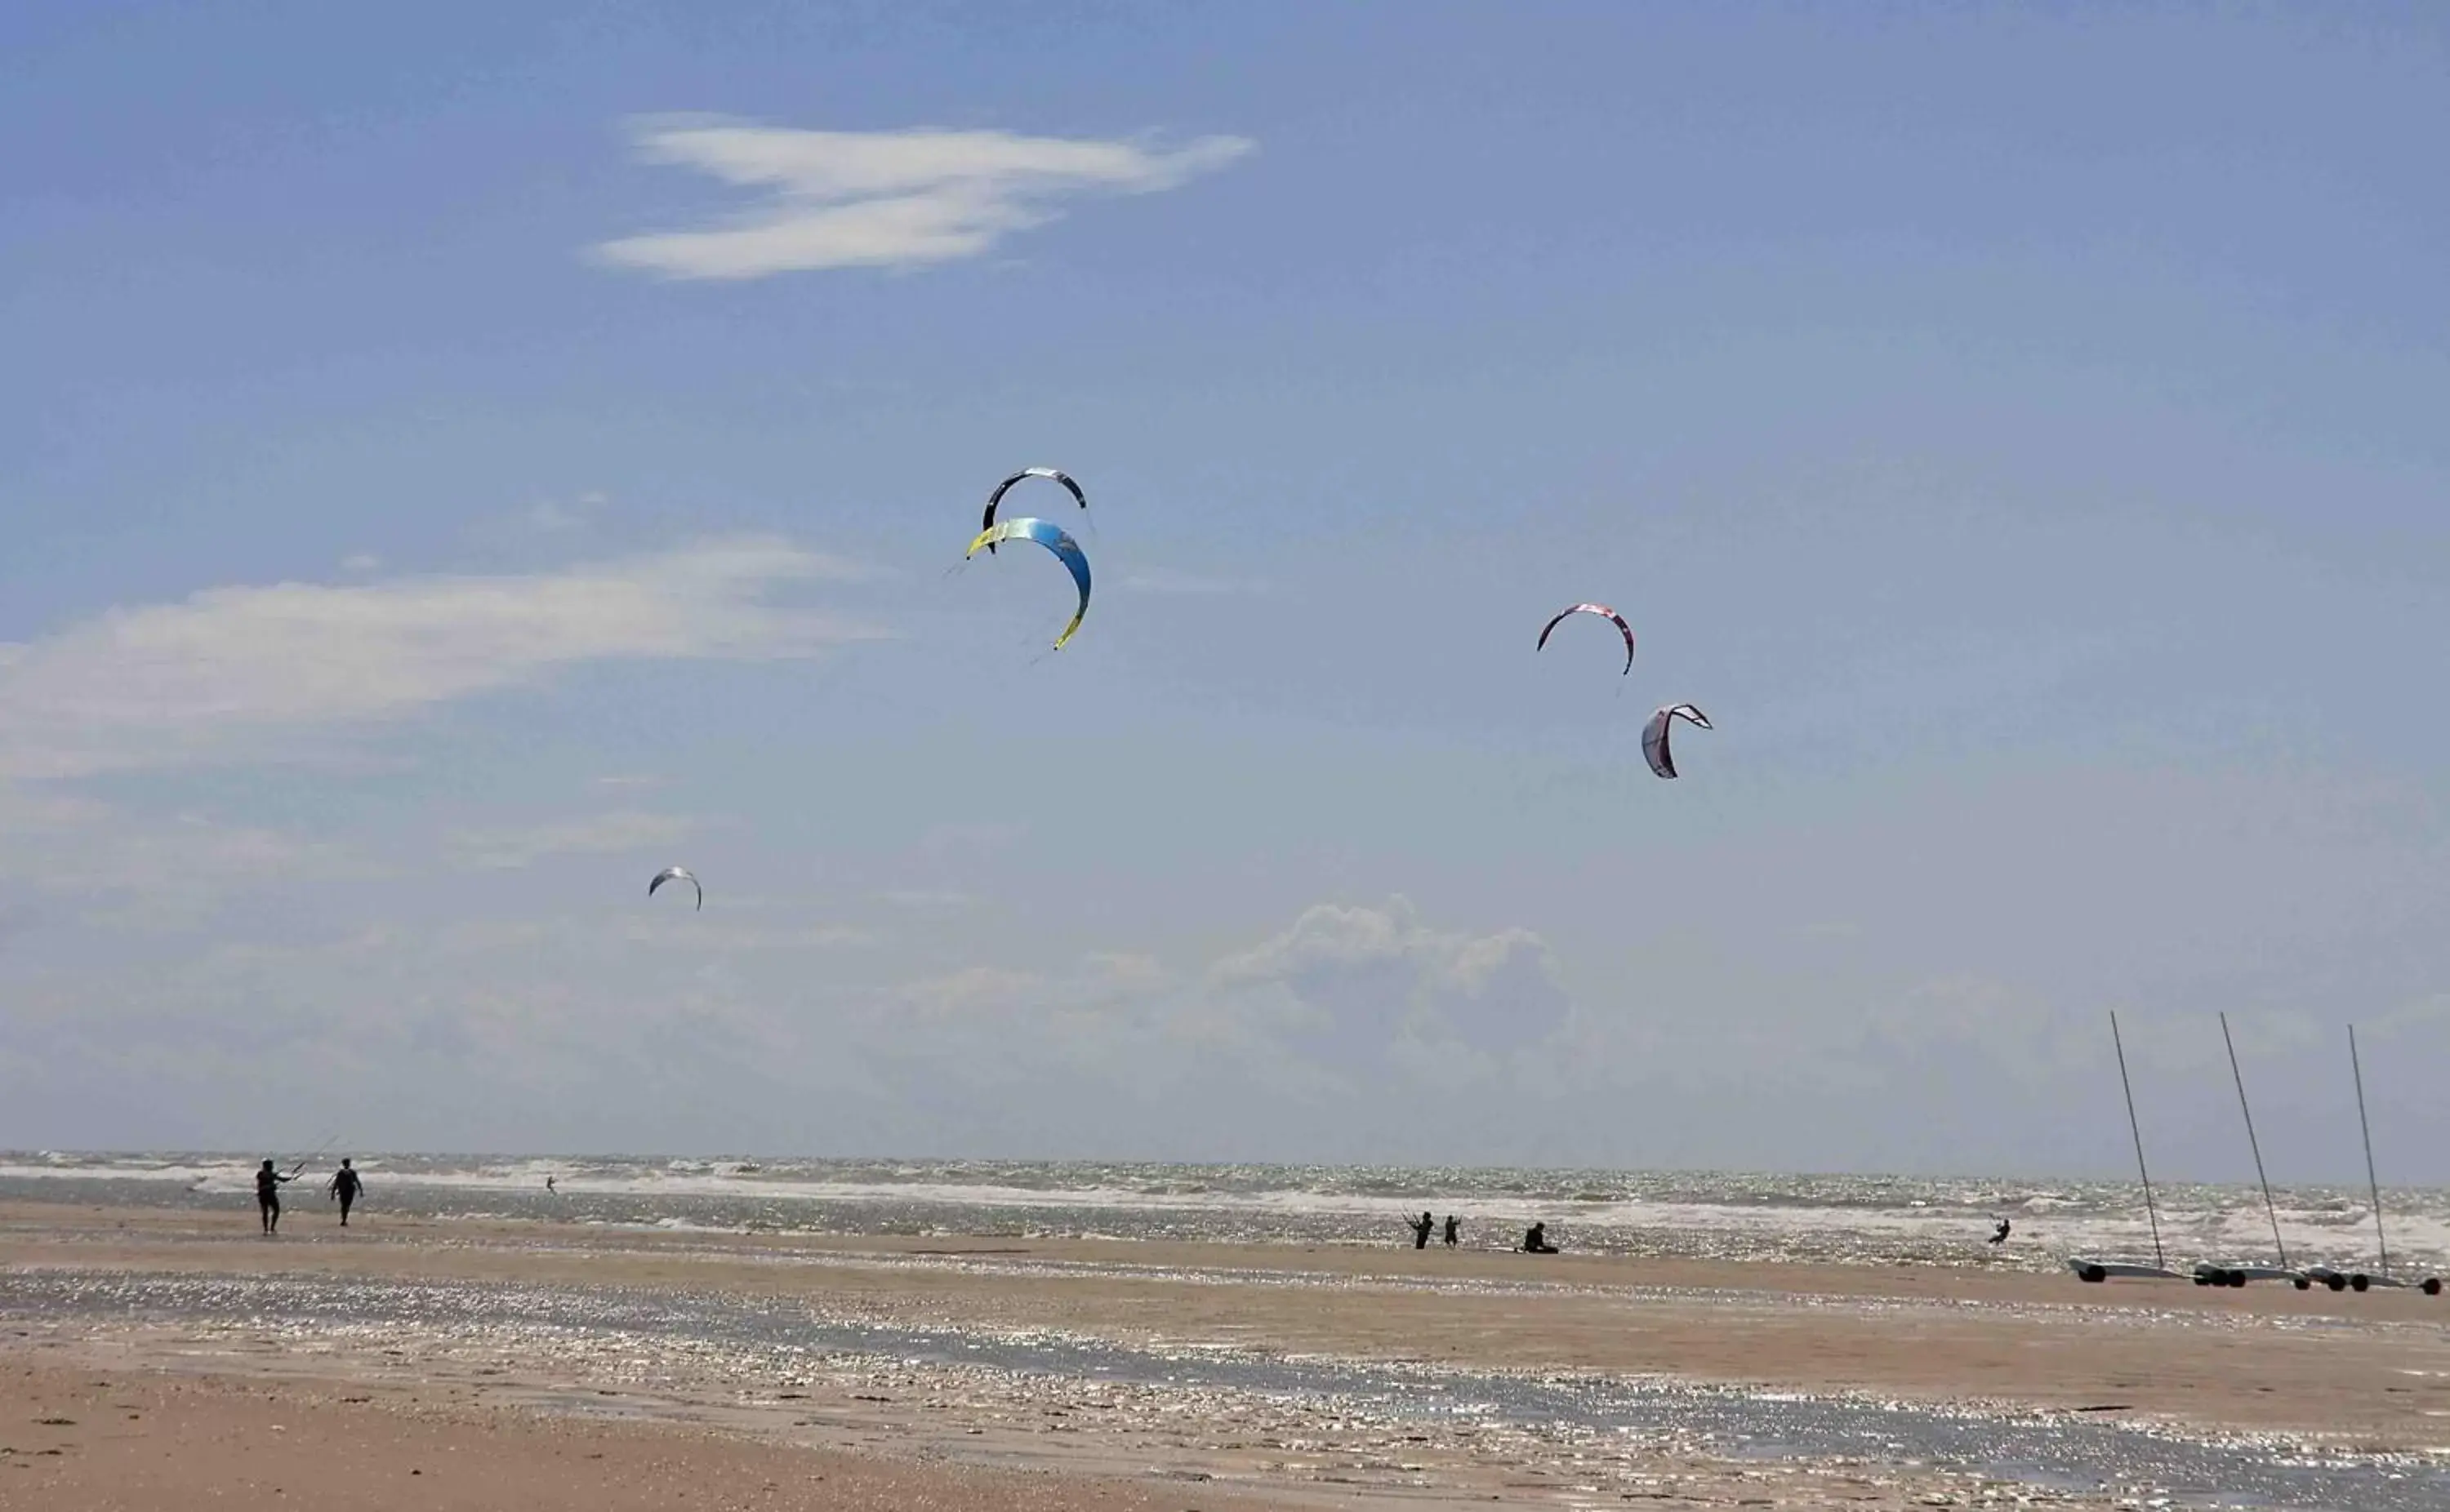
<point>1454,1229</point>
<point>1421,1228</point>
<point>267,1196</point>
<point>1536,1241</point>
<point>346,1186</point>
<point>2001,1237</point>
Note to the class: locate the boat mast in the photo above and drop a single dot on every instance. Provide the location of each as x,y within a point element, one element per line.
<point>2137,1130</point>
<point>2382,1245</point>
<point>2251,1143</point>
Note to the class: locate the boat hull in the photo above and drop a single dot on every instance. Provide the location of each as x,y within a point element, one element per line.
<point>2098,1270</point>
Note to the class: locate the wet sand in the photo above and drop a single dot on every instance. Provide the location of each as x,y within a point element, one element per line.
<point>2325,1372</point>
<point>73,1439</point>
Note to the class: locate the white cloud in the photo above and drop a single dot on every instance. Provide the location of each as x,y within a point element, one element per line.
<point>1347,997</point>
<point>234,670</point>
<point>1350,984</point>
<point>888,199</point>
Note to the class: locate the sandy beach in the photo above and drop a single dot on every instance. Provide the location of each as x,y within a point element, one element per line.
<point>992,1370</point>
<point>133,1439</point>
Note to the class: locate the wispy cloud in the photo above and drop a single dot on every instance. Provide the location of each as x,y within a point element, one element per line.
<point>1166,581</point>
<point>597,834</point>
<point>233,670</point>
<point>926,899</point>
<point>888,199</point>
<point>563,514</point>
<point>155,872</point>
<point>676,929</point>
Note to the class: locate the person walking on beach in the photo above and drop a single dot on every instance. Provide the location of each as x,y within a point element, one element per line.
<point>1421,1228</point>
<point>1454,1229</point>
<point>346,1186</point>
<point>267,1196</point>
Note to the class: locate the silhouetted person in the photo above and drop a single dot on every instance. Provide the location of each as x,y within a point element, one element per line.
<point>1536,1241</point>
<point>1421,1228</point>
<point>2001,1237</point>
<point>267,1196</point>
<point>346,1186</point>
<point>1454,1229</point>
<point>550,1186</point>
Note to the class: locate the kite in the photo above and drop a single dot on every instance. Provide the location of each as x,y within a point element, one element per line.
<point>986,521</point>
<point>1654,735</point>
<point>1592,608</point>
<point>677,874</point>
<point>1066,551</point>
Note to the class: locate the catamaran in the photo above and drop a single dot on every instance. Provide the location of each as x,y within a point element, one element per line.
<point>2380,1276</point>
<point>2240,1273</point>
<point>2091,1269</point>
<point>2205,1273</point>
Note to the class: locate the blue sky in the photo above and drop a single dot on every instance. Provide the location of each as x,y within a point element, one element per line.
<point>452,472</point>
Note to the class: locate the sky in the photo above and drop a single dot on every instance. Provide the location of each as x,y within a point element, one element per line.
<point>453,466</point>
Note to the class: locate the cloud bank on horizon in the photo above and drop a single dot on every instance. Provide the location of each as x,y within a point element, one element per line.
<point>887,198</point>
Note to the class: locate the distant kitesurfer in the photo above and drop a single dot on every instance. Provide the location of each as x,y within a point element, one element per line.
<point>1421,1228</point>
<point>550,1186</point>
<point>346,1186</point>
<point>1454,1229</point>
<point>2001,1237</point>
<point>267,1196</point>
<point>1536,1240</point>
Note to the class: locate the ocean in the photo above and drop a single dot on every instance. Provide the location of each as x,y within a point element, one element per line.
<point>1880,1220</point>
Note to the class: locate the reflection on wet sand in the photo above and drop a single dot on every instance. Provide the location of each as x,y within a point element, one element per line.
<point>1138,1360</point>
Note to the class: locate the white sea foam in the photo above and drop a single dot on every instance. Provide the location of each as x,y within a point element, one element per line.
<point>1801,1216</point>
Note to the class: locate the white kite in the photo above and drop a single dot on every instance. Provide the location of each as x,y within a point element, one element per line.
<point>1654,735</point>
<point>681,874</point>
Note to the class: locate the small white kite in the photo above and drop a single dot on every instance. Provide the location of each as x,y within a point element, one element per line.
<point>684,874</point>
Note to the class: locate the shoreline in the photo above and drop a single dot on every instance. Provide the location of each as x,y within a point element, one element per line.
<point>1653,1216</point>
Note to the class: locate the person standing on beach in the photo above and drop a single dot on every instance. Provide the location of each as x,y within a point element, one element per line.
<point>1454,1229</point>
<point>267,1196</point>
<point>346,1186</point>
<point>1421,1228</point>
